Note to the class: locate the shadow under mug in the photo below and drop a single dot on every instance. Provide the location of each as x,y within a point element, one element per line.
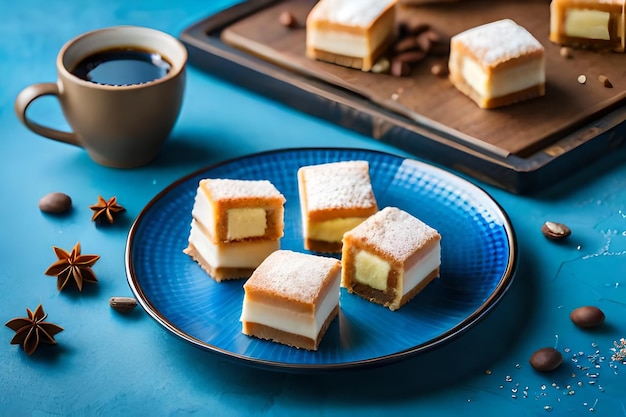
<point>121,126</point>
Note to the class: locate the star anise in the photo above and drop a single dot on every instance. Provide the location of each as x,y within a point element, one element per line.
<point>31,330</point>
<point>103,208</point>
<point>72,265</point>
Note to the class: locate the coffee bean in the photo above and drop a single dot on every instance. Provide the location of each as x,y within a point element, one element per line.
<point>424,41</point>
<point>406,44</point>
<point>399,68</point>
<point>287,19</point>
<point>410,57</point>
<point>554,230</point>
<point>587,317</point>
<point>55,203</point>
<point>123,304</point>
<point>546,359</point>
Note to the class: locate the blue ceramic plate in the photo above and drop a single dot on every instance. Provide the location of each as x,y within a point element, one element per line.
<point>478,262</point>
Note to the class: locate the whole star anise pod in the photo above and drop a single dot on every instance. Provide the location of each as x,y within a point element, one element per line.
<point>106,209</point>
<point>72,265</point>
<point>31,330</point>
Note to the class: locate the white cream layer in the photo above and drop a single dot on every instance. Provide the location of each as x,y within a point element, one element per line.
<point>340,43</point>
<point>288,321</point>
<point>501,83</point>
<point>588,24</point>
<point>331,230</point>
<point>418,272</point>
<point>246,254</point>
<point>373,271</point>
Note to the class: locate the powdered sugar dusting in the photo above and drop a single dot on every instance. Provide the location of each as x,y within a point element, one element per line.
<point>335,185</point>
<point>228,189</point>
<point>498,41</point>
<point>293,275</point>
<point>351,12</point>
<point>395,232</point>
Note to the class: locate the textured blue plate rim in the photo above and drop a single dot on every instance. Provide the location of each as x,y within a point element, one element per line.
<point>470,321</point>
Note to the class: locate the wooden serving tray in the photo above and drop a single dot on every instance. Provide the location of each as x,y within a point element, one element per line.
<point>519,147</point>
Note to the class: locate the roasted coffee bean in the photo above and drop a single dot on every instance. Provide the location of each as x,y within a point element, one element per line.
<point>408,43</point>
<point>587,317</point>
<point>554,230</point>
<point>399,68</point>
<point>287,19</point>
<point>410,57</point>
<point>123,304</point>
<point>55,203</point>
<point>546,359</point>
<point>424,41</point>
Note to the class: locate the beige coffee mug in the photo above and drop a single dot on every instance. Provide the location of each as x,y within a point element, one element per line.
<point>121,126</point>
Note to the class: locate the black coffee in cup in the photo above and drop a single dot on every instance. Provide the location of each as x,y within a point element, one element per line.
<point>122,66</point>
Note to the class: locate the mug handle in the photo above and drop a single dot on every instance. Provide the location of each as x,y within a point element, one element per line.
<point>26,97</point>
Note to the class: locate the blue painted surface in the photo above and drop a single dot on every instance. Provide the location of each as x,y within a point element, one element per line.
<point>107,364</point>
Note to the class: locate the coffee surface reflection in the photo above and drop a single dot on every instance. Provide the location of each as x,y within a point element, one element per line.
<point>122,66</point>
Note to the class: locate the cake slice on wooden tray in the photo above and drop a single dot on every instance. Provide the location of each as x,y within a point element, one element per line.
<point>593,24</point>
<point>351,33</point>
<point>497,64</point>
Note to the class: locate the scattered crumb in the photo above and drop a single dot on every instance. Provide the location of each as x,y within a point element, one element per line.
<point>582,78</point>
<point>566,52</point>
<point>439,70</point>
<point>605,81</point>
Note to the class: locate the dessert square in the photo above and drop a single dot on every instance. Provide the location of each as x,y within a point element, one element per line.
<point>594,24</point>
<point>292,298</point>
<point>350,33</point>
<point>235,225</point>
<point>390,257</point>
<point>334,198</point>
<point>497,64</point>
<point>233,210</point>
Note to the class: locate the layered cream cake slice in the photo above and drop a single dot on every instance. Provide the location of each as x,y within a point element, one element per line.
<point>595,24</point>
<point>390,257</point>
<point>235,225</point>
<point>292,298</point>
<point>334,198</point>
<point>351,33</point>
<point>497,64</point>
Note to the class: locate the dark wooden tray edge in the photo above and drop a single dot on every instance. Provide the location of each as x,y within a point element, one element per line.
<point>512,173</point>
